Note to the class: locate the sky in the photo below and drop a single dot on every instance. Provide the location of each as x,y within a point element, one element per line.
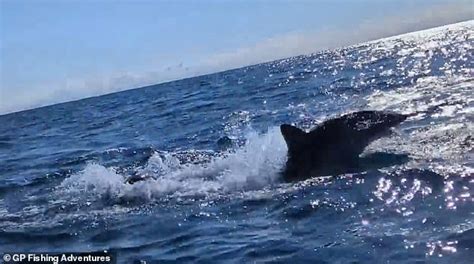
<point>58,51</point>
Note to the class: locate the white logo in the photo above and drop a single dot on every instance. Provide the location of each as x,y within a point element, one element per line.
<point>7,257</point>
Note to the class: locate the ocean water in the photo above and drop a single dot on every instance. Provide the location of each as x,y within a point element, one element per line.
<point>63,167</point>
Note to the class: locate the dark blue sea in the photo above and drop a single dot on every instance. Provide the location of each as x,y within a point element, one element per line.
<point>63,167</point>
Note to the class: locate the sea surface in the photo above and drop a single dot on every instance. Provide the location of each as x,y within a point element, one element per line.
<point>63,167</point>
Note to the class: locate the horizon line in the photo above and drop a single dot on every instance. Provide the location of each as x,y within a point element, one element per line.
<point>234,68</point>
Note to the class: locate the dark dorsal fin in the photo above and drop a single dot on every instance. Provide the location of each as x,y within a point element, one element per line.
<point>293,136</point>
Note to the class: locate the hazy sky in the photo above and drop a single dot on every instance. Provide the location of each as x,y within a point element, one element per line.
<point>56,51</point>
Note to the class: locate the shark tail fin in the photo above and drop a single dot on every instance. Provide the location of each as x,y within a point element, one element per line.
<point>294,137</point>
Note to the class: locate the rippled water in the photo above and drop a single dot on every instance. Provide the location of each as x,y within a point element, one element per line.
<point>62,168</point>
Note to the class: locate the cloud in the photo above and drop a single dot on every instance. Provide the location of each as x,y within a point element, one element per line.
<point>75,89</point>
<point>299,43</point>
<point>277,47</point>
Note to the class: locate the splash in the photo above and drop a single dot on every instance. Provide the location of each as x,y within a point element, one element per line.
<point>190,174</point>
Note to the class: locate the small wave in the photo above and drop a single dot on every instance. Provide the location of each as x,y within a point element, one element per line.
<point>255,165</point>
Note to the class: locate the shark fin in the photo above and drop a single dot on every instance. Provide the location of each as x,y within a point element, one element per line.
<point>293,136</point>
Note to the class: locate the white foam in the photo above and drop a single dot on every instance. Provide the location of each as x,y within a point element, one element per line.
<point>255,165</point>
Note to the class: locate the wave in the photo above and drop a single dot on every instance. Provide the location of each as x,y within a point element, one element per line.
<point>255,165</point>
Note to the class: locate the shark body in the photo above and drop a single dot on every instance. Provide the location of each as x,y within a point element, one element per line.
<point>333,147</point>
